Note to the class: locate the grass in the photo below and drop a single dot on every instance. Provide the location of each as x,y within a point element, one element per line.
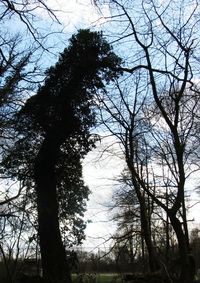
<point>97,278</point>
<point>106,278</point>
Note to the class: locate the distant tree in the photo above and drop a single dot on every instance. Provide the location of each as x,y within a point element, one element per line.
<point>15,73</point>
<point>17,77</point>
<point>19,64</point>
<point>195,246</point>
<point>53,137</point>
<point>122,114</point>
<point>127,217</point>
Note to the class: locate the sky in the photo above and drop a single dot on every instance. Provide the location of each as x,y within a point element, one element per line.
<point>100,172</point>
<point>75,14</point>
<point>98,175</point>
<point>79,13</point>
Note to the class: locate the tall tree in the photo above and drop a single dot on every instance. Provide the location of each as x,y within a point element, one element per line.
<point>163,54</point>
<point>56,123</point>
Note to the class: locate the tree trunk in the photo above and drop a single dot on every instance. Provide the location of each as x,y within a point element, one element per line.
<point>187,265</point>
<point>54,264</point>
<point>145,224</point>
<point>145,221</point>
<point>146,231</point>
<point>145,228</point>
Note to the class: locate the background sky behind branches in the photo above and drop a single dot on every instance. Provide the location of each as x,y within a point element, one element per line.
<point>100,171</point>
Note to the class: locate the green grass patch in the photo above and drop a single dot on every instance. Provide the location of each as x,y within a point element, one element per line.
<point>96,278</point>
<point>106,277</point>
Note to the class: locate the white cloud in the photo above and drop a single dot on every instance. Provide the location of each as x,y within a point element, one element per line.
<point>78,14</point>
<point>100,174</point>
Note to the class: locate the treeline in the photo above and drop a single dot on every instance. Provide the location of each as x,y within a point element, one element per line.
<point>112,260</point>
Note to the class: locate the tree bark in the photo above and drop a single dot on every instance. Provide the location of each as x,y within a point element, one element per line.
<point>145,226</point>
<point>153,262</point>
<point>145,221</point>
<point>186,264</point>
<point>54,264</point>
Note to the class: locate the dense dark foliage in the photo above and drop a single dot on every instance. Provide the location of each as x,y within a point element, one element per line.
<point>53,136</point>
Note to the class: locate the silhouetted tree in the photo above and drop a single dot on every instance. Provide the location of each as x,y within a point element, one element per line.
<point>54,135</point>
<point>163,64</point>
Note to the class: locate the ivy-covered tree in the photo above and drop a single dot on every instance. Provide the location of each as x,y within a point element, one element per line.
<point>54,135</point>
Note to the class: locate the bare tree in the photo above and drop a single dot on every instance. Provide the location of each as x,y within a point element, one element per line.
<point>23,41</point>
<point>157,124</point>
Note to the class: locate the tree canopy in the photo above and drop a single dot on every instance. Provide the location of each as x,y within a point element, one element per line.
<point>53,136</point>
